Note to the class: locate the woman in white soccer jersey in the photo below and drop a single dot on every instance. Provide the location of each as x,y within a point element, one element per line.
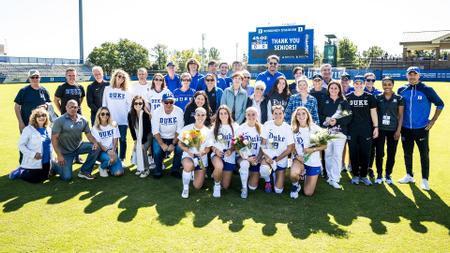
<point>223,156</point>
<point>303,127</point>
<point>106,132</point>
<point>190,158</point>
<point>277,143</point>
<point>249,163</point>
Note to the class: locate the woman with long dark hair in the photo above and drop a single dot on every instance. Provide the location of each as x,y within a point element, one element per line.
<point>280,93</point>
<point>200,99</point>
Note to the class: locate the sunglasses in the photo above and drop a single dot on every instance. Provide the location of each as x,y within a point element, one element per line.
<point>201,115</point>
<point>120,76</point>
<point>34,77</point>
<point>185,80</point>
<point>41,116</point>
<point>209,80</point>
<point>370,80</point>
<point>138,103</point>
<point>169,102</point>
<point>73,107</point>
<point>158,80</point>
<point>104,114</point>
<point>246,77</point>
<point>317,80</point>
<point>259,89</point>
<point>273,63</point>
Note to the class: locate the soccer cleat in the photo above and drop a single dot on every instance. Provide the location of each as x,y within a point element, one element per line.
<point>216,191</point>
<point>86,175</point>
<point>268,187</point>
<point>103,172</point>
<point>406,179</point>
<point>185,193</point>
<point>379,180</point>
<point>335,185</point>
<point>425,185</point>
<point>294,191</point>
<point>355,180</point>
<point>15,174</point>
<point>389,180</point>
<point>244,193</point>
<point>366,181</point>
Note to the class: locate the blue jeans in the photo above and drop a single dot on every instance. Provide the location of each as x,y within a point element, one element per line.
<point>123,141</point>
<point>116,168</point>
<point>65,172</point>
<point>159,155</point>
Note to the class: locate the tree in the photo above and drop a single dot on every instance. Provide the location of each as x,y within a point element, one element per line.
<point>126,54</point>
<point>347,52</point>
<point>159,52</point>
<point>374,52</point>
<point>214,54</point>
<point>318,57</point>
<point>181,57</point>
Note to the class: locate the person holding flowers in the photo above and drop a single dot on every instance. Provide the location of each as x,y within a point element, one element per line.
<point>249,158</point>
<point>193,141</point>
<point>335,115</point>
<point>223,156</point>
<point>306,153</point>
<point>277,143</point>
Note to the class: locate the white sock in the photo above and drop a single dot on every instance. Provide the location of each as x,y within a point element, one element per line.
<point>252,187</point>
<point>278,190</point>
<point>295,184</point>
<point>264,170</point>
<point>216,183</point>
<point>243,172</point>
<point>186,179</point>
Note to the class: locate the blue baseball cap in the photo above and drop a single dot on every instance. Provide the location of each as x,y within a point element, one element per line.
<point>413,69</point>
<point>317,76</point>
<point>358,78</point>
<point>168,96</point>
<point>170,64</point>
<point>345,75</point>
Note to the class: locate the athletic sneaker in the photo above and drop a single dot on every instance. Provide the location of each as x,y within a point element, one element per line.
<point>335,185</point>
<point>294,191</point>
<point>138,172</point>
<point>86,175</point>
<point>355,180</point>
<point>15,174</point>
<point>151,162</point>
<point>425,185</point>
<point>366,181</point>
<point>244,193</point>
<point>379,180</point>
<point>268,187</point>
<point>216,192</point>
<point>389,180</point>
<point>406,179</point>
<point>144,174</point>
<point>185,193</point>
<point>103,172</point>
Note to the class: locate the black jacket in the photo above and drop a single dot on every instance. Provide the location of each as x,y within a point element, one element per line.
<point>329,108</point>
<point>95,95</point>
<point>263,108</point>
<point>146,124</point>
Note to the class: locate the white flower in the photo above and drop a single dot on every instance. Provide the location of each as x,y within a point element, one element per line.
<point>219,137</point>
<point>245,142</point>
<point>270,140</point>
<point>186,142</point>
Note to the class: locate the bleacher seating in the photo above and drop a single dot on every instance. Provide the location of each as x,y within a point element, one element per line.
<point>18,72</point>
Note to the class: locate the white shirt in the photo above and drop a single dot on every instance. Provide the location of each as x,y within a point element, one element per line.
<point>118,102</point>
<point>278,137</point>
<point>167,124</point>
<point>302,141</point>
<point>251,135</point>
<point>106,135</point>
<point>226,134</point>
<point>137,89</point>
<point>155,98</point>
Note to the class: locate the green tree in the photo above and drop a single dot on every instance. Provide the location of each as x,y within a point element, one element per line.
<point>160,54</point>
<point>181,57</point>
<point>347,52</point>
<point>373,52</point>
<point>125,54</point>
<point>214,54</point>
<point>318,56</point>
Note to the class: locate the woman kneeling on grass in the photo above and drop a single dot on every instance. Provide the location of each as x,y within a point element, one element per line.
<point>249,166</point>
<point>277,143</point>
<point>194,158</point>
<point>35,145</point>
<point>223,156</point>
<point>305,156</point>
<point>106,132</point>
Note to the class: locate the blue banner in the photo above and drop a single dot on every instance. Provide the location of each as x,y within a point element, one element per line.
<point>293,44</point>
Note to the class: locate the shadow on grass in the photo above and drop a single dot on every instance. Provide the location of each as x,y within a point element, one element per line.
<point>328,211</point>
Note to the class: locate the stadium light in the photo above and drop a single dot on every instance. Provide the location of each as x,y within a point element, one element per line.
<point>80,20</point>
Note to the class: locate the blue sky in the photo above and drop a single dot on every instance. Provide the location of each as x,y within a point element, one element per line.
<point>49,28</point>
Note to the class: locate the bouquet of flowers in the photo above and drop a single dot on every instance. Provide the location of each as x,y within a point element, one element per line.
<point>193,139</point>
<point>340,113</point>
<point>319,138</point>
<point>221,143</point>
<point>268,148</point>
<point>242,145</point>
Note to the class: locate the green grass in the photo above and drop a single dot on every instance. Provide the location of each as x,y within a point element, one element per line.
<point>131,214</point>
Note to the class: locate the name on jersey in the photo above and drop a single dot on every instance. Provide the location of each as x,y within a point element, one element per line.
<point>106,134</point>
<point>168,121</point>
<point>73,92</point>
<point>276,138</point>
<point>184,99</point>
<point>359,103</point>
<point>117,96</point>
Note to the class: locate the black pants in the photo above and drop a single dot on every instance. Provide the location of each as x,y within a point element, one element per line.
<point>360,144</point>
<point>388,138</point>
<point>36,175</point>
<point>373,151</point>
<point>420,137</point>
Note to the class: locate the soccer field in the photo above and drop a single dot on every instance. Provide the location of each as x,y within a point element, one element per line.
<point>132,214</point>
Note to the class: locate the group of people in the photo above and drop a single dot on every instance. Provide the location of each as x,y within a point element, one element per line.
<point>280,123</point>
